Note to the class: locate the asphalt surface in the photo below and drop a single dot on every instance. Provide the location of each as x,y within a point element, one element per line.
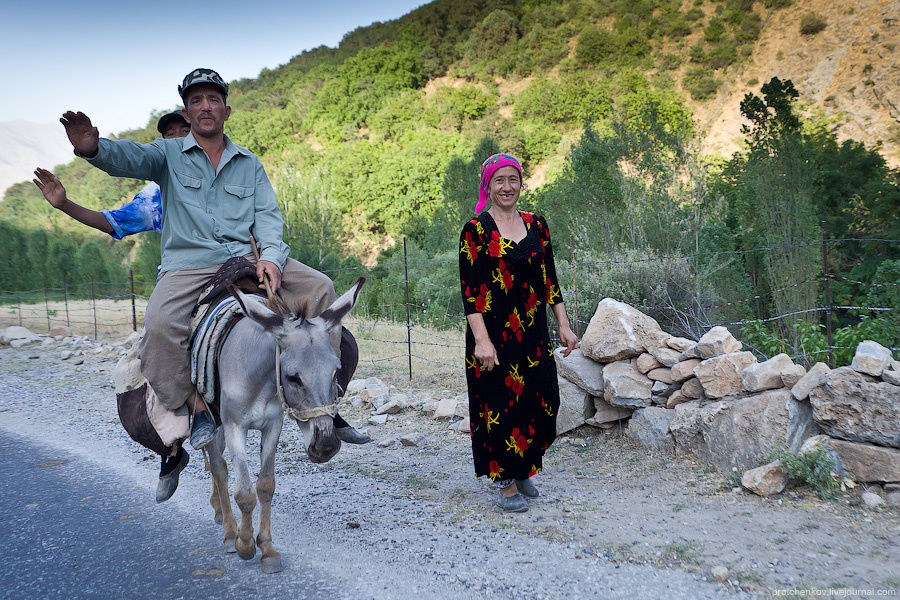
<point>74,530</point>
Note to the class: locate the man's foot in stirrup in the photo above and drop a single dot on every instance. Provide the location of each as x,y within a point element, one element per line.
<point>351,436</point>
<point>171,468</point>
<point>202,429</point>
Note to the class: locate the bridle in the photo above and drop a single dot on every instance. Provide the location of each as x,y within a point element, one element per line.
<point>328,410</point>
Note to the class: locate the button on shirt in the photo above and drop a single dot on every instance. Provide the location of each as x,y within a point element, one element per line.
<point>207,216</point>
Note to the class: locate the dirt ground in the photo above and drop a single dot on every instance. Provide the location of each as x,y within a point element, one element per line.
<point>601,493</point>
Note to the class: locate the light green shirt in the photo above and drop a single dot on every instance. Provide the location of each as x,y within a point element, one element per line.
<point>207,216</point>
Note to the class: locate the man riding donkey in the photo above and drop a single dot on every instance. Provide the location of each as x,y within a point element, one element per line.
<point>215,197</point>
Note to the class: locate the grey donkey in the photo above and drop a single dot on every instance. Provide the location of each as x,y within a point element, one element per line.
<point>267,346</point>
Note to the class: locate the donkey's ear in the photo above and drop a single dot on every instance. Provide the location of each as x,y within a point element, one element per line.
<point>333,315</point>
<point>257,310</point>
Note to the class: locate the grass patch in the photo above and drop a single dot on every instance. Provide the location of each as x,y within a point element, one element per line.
<point>682,551</point>
<point>812,23</point>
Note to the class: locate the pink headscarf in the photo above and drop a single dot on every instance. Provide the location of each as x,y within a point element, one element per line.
<point>488,168</point>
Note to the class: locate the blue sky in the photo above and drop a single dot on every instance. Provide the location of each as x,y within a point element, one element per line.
<point>119,60</point>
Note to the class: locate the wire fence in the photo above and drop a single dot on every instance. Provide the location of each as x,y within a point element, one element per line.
<point>410,325</point>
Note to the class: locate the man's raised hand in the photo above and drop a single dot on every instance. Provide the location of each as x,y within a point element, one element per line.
<point>82,134</point>
<point>50,187</point>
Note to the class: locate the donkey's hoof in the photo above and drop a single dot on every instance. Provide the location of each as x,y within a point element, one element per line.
<point>271,564</point>
<point>218,518</point>
<point>228,546</point>
<point>245,552</point>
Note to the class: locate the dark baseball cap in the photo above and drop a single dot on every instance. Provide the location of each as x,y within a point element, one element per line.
<point>198,76</point>
<point>166,121</point>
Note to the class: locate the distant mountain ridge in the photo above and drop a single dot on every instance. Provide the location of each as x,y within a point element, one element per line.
<point>25,145</point>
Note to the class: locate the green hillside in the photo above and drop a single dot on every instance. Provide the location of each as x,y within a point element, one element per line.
<point>381,138</point>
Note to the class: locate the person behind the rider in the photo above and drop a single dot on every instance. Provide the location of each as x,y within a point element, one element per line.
<point>143,213</point>
<point>215,194</point>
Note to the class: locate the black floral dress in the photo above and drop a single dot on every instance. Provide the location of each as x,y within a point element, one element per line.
<point>513,407</point>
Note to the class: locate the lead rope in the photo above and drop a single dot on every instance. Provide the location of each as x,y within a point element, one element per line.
<point>328,410</point>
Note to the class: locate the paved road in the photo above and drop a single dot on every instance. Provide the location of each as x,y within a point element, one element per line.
<point>72,530</point>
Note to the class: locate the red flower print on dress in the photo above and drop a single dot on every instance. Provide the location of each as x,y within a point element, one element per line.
<point>503,277</point>
<point>515,324</point>
<point>517,442</point>
<point>497,246</point>
<point>495,470</point>
<point>482,301</point>
<point>515,382</point>
<point>468,247</point>
<point>472,363</point>
<point>527,217</point>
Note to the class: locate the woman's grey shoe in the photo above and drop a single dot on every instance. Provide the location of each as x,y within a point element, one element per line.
<point>168,482</point>
<point>351,436</point>
<point>516,503</point>
<point>526,487</point>
<point>202,429</point>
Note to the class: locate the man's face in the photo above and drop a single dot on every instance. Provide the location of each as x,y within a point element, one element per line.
<point>178,129</point>
<point>205,110</point>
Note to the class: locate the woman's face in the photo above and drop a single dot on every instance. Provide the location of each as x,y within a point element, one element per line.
<point>505,187</point>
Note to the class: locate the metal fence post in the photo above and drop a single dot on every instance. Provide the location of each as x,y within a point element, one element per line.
<point>94,304</point>
<point>66,301</point>
<point>827,296</point>
<point>46,306</point>
<point>19,304</point>
<point>133,311</point>
<point>408,326</point>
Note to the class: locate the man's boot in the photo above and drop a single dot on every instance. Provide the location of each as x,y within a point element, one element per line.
<point>348,434</point>
<point>171,468</point>
<point>203,428</point>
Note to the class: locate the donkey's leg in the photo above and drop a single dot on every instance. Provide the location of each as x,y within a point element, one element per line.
<point>215,503</point>
<point>265,489</point>
<point>220,498</point>
<point>244,494</point>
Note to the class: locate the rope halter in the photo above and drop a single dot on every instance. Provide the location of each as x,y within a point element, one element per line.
<point>327,410</point>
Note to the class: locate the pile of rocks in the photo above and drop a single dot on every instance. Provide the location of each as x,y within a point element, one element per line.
<point>61,344</point>
<point>713,400</point>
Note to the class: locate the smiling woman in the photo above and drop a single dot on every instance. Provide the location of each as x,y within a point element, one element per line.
<point>508,277</point>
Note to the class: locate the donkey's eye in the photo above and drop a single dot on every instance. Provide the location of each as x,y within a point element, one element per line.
<point>295,380</point>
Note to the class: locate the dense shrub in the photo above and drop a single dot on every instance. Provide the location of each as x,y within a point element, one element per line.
<point>595,45</point>
<point>812,23</point>
<point>700,83</point>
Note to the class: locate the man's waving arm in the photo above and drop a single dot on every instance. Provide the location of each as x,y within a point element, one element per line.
<point>119,158</point>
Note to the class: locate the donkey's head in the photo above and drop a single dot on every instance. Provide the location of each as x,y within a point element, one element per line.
<point>308,366</point>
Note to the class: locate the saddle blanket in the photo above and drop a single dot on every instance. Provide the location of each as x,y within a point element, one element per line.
<point>209,327</point>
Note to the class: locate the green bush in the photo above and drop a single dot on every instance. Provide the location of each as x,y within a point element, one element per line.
<point>812,23</point>
<point>714,31</point>
<point>814,468</point>
<point>694,14</point>
<point>595,45</point>
<point>721,55</point>
<point>697,52</point>
<point>700,83</point>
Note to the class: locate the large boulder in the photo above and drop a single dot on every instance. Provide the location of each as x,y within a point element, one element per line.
<point>575,405</point>
<point>861,462</point>
<point>813,377</point>
<point>665,355</point>
<point>720,376</point>
<point>717,341</point>
<point>624,386</point>
<point>618,331</point>
<point>871,358</point>
<point>580,370</point>
<point>791,375</point>
<point>649,427</point>
<point>767,374</point>
<point>742,432</point>
<point>679,343</point>
<point>15,332</point>
<point>855,407</point>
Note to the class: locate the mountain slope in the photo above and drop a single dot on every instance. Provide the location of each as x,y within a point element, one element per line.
<point>25,145</point>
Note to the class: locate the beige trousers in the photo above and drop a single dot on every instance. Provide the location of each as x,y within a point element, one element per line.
<point>164,351</point>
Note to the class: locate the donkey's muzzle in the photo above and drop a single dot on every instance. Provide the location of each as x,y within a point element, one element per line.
<point>325,443</point>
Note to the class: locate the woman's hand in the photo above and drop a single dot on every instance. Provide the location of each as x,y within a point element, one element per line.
<point>486,354</point>
<point>568,338</point>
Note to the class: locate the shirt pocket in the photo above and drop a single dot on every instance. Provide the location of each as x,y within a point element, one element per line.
<point>237,204</point>
<point>191,189</point>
